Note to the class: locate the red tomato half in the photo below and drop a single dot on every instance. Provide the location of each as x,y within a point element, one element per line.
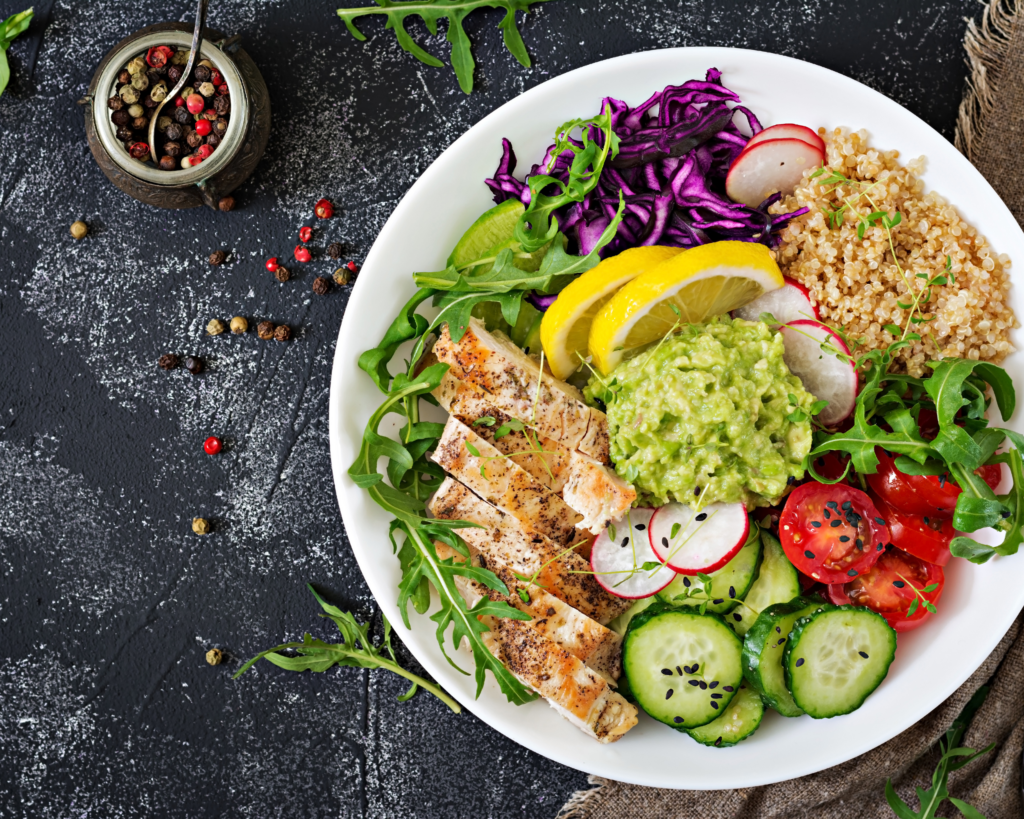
<point>922,536</point>
<point>921,494</point>
<point>885,588</point>
<point>831,533</point>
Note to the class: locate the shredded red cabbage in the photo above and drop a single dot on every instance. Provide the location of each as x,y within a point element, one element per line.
<point>671,169</point>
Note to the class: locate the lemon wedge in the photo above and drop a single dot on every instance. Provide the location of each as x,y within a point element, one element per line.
<point>688,288</point>
<point>565,328</point>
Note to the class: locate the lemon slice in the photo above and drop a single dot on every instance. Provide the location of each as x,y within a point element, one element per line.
<point>689,288</point>
<point>565,328</point>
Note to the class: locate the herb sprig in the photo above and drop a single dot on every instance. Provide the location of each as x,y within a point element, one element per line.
<point>13,26</point>
<point>432,11</point>
<point>356,650</point>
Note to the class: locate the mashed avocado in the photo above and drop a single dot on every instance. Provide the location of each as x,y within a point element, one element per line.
<point>711,407</point>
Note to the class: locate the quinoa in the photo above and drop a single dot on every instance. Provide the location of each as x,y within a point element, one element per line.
<point>854,282</point>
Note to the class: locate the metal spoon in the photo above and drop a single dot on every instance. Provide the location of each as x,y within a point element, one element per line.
<point>197,41</point>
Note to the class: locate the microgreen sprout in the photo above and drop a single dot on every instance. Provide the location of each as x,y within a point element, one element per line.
<point>919,596</point>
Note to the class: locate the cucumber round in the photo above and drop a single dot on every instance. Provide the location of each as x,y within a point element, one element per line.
<point>740,720</point>
<point>765,645</point>
<point>683,668</point>
<point>728,585</point>
<point>836,658</point>
<point>777,582</point>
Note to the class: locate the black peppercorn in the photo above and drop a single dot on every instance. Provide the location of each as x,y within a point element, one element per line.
<point>282,274</point>
<point>202,73</point>
<point>265,330</point>
<point>282,333</point>
<point>193,139</point>
<point>182,116</point>
<point>321,284</point>
<point>218,257</point>
<point>149,102</point>
<point>220,126</point>
<point>172,149</point>
<point>168,163</point>
<point>115,103</point>
<point>193,365</point>
<point>124,133</point>
<point>222,105</point>
<point>173,132</point>
<point>168,361</point>
<point>123,76</point>
<point>153,77</point>
<point>335,249</point>
<point>227,203</point>
<point>120,118</point>
<point>213,140</point>
<point>174,74</point>
<point>140,123</point>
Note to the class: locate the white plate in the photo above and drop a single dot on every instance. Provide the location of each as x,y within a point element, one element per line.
<point>979,603</point>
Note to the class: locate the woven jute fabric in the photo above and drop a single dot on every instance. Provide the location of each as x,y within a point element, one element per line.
<point>990,132</point>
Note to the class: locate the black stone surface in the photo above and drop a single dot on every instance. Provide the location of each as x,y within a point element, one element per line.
<point>108,602</point>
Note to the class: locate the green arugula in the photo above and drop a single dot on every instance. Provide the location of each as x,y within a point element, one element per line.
<point>954,757</point>
<point>356,650</point>
<point>13,26</point>
<point>431,11</point>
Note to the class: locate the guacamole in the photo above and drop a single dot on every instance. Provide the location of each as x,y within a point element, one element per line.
<point>715,407</point>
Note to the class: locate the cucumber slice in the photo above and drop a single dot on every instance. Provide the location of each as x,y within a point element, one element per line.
<point>740,720</point>
<point>728,585</point>
<point>683,668</point>
<point>765,645</point>
<point>836,658</point>
<point>777,582</point>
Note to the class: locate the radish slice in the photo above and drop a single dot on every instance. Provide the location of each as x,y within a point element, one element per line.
<point>791,302</point>
<point>788,130</point>
<point>691,541</point>
<point>616,561</point>
<point>770,166</point>
<point>824,375</point>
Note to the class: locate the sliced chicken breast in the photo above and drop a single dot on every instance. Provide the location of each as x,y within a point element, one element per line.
<point>501,482</point>
<point>502,543</point>
<point>518,387</point>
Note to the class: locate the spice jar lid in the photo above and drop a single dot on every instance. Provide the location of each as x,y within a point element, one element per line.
<point>232,140</point>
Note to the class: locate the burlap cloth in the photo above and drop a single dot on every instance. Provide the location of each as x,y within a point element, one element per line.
<point>991,133</point>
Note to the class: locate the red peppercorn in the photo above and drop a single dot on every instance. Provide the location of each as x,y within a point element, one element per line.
<point>139,150</point>
<point>302,254</point>
<point>324,209</point>
<point>352,266</point>
<point>205,151</point>
<point>203,127</point>
<point>195,103</point>
<point>272,264</point>
<point>194,160</point>
<point>216,78</point>
<point>158,56</point>
<point>223,90</point>
<point>212,445</point>
<point>305,234</point>
<point>178,101</point>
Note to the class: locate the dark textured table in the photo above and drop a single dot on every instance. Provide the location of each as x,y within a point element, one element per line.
<point>108,602</point>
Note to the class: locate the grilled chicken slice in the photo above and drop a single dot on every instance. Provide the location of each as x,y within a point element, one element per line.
<point>587,640</point>
<point>516,385</point>
<point>502,543</point>
<point>503,483</point>
<point>591,489</point>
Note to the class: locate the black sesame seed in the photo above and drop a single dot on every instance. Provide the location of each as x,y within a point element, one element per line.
<point>899,584</point>
<point>714,705</point>
<point>800,662</point>
<point>809,554</point>
<point>667,672</point>
<point>816,524</point>
<point>859,544</point>
<point>926,521</point>
<point>639,527</point>
<point>737,617</point>
<point>790,480</point>
<point>694,668</point>
<point>827,514</point>
<point>844,538</point>
<point>664,542</point>
<point>703,686</point>
<point>677,720</point>
<point>697,491</point>
<point>847,505</point>
<point>718,742</point>
<point>625,541</point>
<point>716,696</point>
<point>781,641</point>
<point>852,572</point>
<point>863,654</point>
<point>832,505</point>
<point>713,684</point>
<point>686,582</point>
<point>836,523</point>
<point>669,693</point>
<point>694,682</point>
<point>880,522</point>
<point>779,630</point>
<point>942,480</point>
<point>717,600</point>
<point>728,688</point>
<point>702,516</point>
<point>732,592</point>
<point>678,671</point>
<point>1005,514</point>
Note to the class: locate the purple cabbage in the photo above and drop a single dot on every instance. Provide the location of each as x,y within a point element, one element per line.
<point>670,169</point>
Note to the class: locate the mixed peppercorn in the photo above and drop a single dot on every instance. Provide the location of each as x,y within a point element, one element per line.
<point>198,118</point>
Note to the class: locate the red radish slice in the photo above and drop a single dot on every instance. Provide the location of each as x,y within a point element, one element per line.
<point>618,553</point>
<point>691,541</point>
<point>770,166</point>
<point>788,130</point>
<point>791,302</point>
<point>824,375</point>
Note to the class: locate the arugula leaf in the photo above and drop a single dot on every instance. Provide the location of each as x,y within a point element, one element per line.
<point>861,439</point>
<point>356,650</point>
<point>431,11</point>
<point>13,26</point>
<point>970,549</point>
<point>407,325</point>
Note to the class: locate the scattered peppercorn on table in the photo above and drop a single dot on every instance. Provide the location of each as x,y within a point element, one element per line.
<point>166,488</point>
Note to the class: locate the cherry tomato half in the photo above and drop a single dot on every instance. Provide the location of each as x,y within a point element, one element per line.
<point>831,533</point>
<point>922,536</point>
<point>890,588</point>
<point>921,494</point>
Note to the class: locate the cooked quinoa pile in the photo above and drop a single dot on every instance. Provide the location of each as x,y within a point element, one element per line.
<point>854,282</point>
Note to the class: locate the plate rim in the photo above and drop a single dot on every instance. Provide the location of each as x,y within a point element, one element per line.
<point>432,661</point>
